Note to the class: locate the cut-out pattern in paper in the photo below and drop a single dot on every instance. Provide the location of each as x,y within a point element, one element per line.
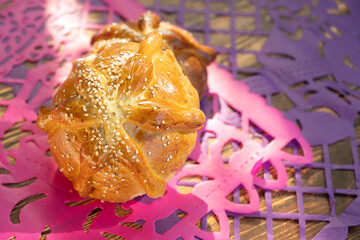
<point>44,192</point>
<point>307,58</point>
<point>307,66</point>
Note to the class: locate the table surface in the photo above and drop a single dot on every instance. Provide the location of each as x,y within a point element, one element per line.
<point>282,201</point>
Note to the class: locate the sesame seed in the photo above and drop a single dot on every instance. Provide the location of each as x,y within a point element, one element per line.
<point>145,180</point>
<point>149,152</point>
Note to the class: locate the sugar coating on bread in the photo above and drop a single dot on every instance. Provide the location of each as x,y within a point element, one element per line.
<point>125,120</point>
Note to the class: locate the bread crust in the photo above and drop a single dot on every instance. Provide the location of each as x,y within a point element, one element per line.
<point>126,118</point>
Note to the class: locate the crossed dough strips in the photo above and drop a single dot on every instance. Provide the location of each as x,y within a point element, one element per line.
<point>126,118</point>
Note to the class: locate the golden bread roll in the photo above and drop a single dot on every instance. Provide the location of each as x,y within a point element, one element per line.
<point>125,120</point>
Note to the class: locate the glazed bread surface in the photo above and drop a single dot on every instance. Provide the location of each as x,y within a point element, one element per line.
<point>125,120</point>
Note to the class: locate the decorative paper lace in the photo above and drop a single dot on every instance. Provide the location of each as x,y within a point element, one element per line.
<point>54,33</point>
